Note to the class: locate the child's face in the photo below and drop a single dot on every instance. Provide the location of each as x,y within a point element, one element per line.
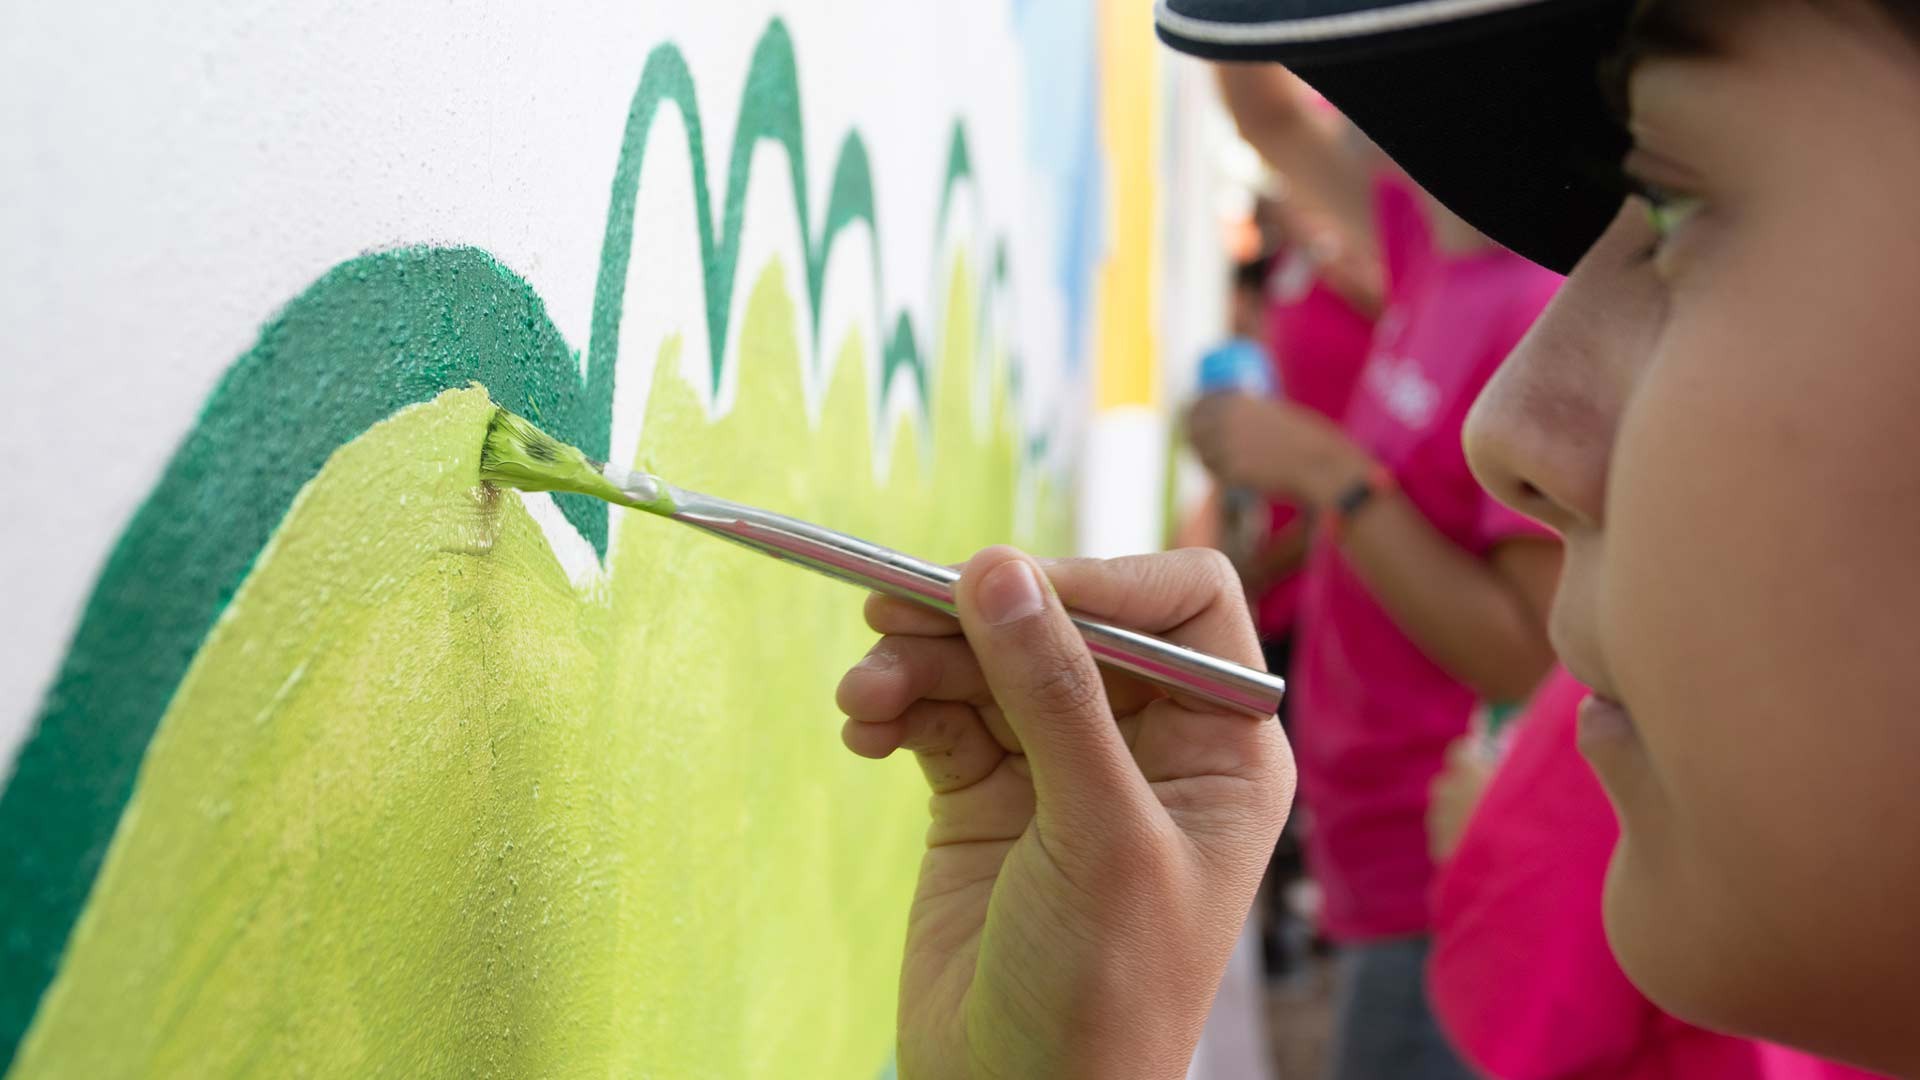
<point>1728,434</point>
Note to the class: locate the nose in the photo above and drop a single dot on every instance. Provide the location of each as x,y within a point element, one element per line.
<point>1540,436</point>
<point>1521,455</point>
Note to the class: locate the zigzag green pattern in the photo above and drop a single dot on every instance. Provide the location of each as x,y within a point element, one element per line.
<point>769,109</point>
<point>369,337</point>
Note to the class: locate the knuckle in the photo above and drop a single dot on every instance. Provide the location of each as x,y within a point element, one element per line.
<point>1069,576</point>
<point>987,558</point>
<point>931,728</point>
<point>1215,569</point>
<point>1204,570</point>
<point>1061,685</point>
<point>886,680</point>
<point>1281,792</point>
<point>1273,778</point>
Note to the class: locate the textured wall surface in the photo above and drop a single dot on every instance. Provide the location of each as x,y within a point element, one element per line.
<point>320,758</point>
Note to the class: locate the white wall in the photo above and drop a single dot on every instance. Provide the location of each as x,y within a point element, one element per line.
<point>170,174</point>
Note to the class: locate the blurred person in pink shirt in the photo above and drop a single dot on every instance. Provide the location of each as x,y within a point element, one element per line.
<point>1421,596</point>
<point>1322,298</point>
<point>1520,975</point>
<point>1311,299</point>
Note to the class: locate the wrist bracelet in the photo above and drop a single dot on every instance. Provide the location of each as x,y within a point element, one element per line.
<point>1378,482</point>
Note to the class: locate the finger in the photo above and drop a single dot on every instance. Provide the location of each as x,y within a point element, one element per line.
<point>953,747</point>
<point>876,739</point>
<point>1190,597</point>
<point>998,808</point>
<point>1205,414</point>
<point>1195,574</point>
<point>899,671</point>
<point>1127,695</point>
<point>1045,683</point>
<point>1203,422</point>
<point>1206,444</point>
<point>876,679</point>
<point>1213,460</point>
<point>891,615</point>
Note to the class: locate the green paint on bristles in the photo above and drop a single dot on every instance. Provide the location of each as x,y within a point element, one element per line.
<point>519,455</point>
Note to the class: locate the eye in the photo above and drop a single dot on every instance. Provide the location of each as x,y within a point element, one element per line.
<point>1668,212</point>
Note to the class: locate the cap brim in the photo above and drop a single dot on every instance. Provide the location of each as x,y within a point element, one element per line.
<point>1496,107</point>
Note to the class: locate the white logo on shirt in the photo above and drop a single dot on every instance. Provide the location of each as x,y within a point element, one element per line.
<point>1404,390</point>
<point>1293,279</point>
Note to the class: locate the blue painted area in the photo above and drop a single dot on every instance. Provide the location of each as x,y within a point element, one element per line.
<point>1059,44</point>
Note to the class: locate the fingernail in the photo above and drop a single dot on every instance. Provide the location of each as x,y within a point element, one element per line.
<point>1010,592</point>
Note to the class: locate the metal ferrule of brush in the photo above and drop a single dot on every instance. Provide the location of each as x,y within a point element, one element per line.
<point>884,570</point>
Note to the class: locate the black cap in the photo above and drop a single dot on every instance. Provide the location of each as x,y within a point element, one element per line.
<point>1496,107</point>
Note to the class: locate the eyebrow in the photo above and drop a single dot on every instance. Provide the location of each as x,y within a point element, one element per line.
<point>1658,30</point>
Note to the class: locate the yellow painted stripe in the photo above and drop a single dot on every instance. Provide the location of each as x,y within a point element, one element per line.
<point>1126,350</point>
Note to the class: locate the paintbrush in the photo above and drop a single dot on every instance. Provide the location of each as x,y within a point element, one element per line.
<point>519,455</point>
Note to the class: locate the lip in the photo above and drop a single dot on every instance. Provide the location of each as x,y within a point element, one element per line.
<point>1603,721</point>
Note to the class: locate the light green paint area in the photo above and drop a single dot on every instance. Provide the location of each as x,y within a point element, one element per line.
<point>421,807</point>
<point>334,854</point>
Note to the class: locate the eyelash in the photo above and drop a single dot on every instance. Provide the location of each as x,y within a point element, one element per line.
<point>1667,212</point>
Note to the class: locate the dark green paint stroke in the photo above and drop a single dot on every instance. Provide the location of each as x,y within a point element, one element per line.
<point>959,164</point>
<point>370,337</point>
<point>770,110</point>
<point>901,354</point>
<point>374,334</point>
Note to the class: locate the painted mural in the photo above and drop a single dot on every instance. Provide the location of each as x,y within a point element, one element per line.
<point>355,767</point>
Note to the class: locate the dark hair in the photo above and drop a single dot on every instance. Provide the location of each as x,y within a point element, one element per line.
<point>1904,13</point>
<point>1251,274</point>
<point>1686,25</point>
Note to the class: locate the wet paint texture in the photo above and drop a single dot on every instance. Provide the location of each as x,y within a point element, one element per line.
<point>368,338</point>
<point>423,807</point>
<point>396,328</point>
<point>519,455</point>
<point>335,846</point>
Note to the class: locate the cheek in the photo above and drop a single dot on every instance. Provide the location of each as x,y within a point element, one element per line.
<point>1759,608</point>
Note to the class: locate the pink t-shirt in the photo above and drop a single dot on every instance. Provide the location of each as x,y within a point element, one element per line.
<point>1373,714</point>
<point>1520,975</point>
<point>1317,341</point>
<point>1784,1064</point>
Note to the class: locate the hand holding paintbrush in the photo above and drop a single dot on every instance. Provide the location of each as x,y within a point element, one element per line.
<point>518,454</point>
<point>1094,848</point>
<point>1095,843</point>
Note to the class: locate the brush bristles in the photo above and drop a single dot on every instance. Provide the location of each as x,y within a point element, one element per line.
<point>519,455</point>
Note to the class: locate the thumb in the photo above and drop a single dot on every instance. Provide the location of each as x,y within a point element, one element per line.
<point>1046,685</point>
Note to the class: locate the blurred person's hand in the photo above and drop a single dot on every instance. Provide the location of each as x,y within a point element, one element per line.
<point>1095,843</point>
<point>1456,791</point>
<point>1275,447</point>
<point>1279,558</point>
